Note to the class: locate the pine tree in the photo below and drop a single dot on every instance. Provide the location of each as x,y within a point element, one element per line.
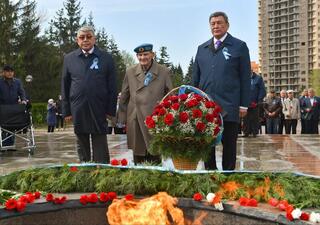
<point>188,76</point>
<point>102,39</point>
<point>8,28</point>
<point>177,75</point>
<point>163,58</point>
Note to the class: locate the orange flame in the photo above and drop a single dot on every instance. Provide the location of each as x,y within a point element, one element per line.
<point>148,211</point>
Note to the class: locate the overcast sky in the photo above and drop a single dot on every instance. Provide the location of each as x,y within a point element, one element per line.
<point>180,25</point>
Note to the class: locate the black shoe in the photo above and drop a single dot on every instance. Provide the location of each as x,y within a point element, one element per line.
<point>245,135</point>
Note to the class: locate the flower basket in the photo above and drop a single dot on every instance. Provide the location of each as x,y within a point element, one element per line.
<point>185,125</point>
<point>184,164</point>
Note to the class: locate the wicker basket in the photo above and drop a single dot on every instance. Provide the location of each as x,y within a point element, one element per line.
<point>184,164</point>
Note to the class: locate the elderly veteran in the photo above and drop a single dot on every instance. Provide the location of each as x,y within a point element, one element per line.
<point>143,86</point>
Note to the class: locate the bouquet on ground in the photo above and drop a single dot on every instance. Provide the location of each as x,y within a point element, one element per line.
<point>185,126</point>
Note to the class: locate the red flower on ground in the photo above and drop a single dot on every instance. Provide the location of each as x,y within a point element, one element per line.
<point>283,205</point>
<point>243,201</point>
<point>93,198</point>
<point>124,162</point>
<point>112,195</point>
<point>217,198</point>
<point>273,202</point>
<point>150,122</point>
<point>49,197</point>
<point>20,206</point>
<point>11,204</point>
<point>289,216</point>
<point>197,197</point>
<point>30,197</point>
<point>23,198</point>
<point>83,199</point>
<point>183,117</point>
<point>253,202</point>
<point>114,162</point>
<point>104,197</point>
<point>168,119</point>
<point>129,197</point>
<point>305,216</point>
<point>73,169</point>
<point>37,194</point>
<point>60,200</point>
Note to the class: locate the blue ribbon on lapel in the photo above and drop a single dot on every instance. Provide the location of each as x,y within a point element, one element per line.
<point>226,53</point>
<point>147,79</point>
<point>95,64</point>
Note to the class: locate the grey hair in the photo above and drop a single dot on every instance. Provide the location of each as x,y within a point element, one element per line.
<point>86,29</point>
<point>216,14</point>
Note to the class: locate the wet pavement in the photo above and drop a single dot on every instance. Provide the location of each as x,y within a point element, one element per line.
<point>295,153</point>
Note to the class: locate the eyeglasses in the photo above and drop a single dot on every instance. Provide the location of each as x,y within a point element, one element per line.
<point>82,37</point>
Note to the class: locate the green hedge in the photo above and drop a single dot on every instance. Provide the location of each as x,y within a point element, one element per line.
<point>39,114</point>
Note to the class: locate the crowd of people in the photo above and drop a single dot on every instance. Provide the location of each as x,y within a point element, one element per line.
<point>222,69</point>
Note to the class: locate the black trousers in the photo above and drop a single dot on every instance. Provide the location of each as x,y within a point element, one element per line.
<point>311,126</point>
<point>60,121</point>
<point>251,122</point>
<point>291,125</point>
<point>229,152</point>
<point>99,148</point>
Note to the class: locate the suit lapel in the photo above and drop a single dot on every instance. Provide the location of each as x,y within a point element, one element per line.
<point>141,76</point>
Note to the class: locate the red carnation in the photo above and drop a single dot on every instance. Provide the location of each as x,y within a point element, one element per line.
<point>112,195</point>
<point>273,202</point>
<point>201,126</point>
<point>114,162</point>
<point>73,169</point>
<point>304,216</point>
<point>30,198</point>
<point>175,106</point>
<point>210,104</point>
<point>217,109</point>
<point>150,122</point>
<point>183,117</point>
<point>196,113</point>
<point>183,97</point>
<point>197,197</point>
<point>289,216</point>
<point>174,98</point>
<point>60,200</point>
<point>129,197</point>
<point>253,202</point>
<point>37,194</point>
<point>83,199</point>
<point>168,119</point>
<point>104,197</point>
<point>93,198</point>
<point>253,105</point>
<point>162,111</point>
<point>192,103</point>
<point>20,206</point>
<point>209,117</point>
<point>166,103</point>
<point>243,201</point>
<point>23,198</point>
<point>124,162</point>
<point>216,131</point>
<point>198,97</point>
<point>49,197</point>
<point>283,204</point>
<point>11,204</point>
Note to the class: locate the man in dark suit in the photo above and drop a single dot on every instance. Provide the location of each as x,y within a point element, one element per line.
<point>222,70</point>
<point>89,95</point>
<point>257,93</point>
<point>311,112</point>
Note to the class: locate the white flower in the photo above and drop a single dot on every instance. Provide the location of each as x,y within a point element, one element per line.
<point>218,206</point>
<point>314,217</point>
<point>296,213</point>
<point>210,197</point>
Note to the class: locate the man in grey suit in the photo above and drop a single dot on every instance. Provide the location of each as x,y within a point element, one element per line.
<point>89,95</point>
<point>222,70</point>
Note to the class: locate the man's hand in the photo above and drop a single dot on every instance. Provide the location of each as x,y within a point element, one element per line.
<point>242,112</point>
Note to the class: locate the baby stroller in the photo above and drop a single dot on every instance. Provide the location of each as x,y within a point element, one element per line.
<point>16,122</point>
